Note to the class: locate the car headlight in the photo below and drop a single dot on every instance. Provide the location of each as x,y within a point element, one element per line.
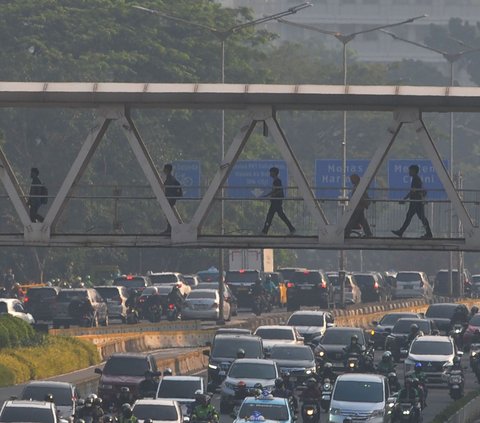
<point>321,353</point>
<point>310,371</point>
<point>372,332</point>
<point>378,413</point>
<point>310,412</point>
<point>406,412</point>
<point>212,366</point>
<point>335,410</point>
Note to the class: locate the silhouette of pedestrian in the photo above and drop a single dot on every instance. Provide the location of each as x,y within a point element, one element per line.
<point>35,199</point>
<point>416,195</point>
<point>358,219</point>
<point>276,203</point>
<point>173,191</point>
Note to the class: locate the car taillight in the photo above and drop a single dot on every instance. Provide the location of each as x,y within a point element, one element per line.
<point>25,300</point>
<point>141,300</point>
<point>290,285</point>
<point>375,285</point>
<point>171,306</point>
<point>324,284</point>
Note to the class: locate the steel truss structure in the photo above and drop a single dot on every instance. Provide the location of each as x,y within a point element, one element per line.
<point>114,101</point>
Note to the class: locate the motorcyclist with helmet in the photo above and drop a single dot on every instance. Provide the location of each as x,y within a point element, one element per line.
<point>147,388</point>
<point>126,415</point>
<point>49,398</point>
<point>327,372</point>
<point>422,380</point>
<point>176,297</point>
<point>354,347</point>
<point>270,289</point>
<point>421,393</point>
<point>286,381</point>
<point>410,394</point>
<point>393,382</point>
<point>153,302</point>
<point>312,392</point>
<point>414,332</point>
<point>167,372</point>
<point>204,411</point>
<point>281,392</point>
<point>240,353</point>
<point>386,364</point>
<point>91,409</point>
<point>124,397</point>
<point>473,311</point>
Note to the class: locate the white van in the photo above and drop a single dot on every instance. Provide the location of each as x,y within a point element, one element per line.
<point>413,285</point>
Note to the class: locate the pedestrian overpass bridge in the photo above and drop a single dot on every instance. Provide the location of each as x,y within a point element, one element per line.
<point>113,104</point>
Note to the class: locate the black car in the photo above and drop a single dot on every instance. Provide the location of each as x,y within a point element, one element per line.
<point>373,287</point>
<point>310,288</point>
<point>38,302</point>
<point>446,315</point>
<point>136,282</point>
<point>240,282</point>
<point>398,338</point>
<point>385,325</point>
<point>224,352</point>
<point>330,347</point>
<point>298,360</point>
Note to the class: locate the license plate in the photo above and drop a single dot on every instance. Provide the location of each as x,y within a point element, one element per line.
<point>222,373</point>
<point>241,289</point>
<point>305,287</point>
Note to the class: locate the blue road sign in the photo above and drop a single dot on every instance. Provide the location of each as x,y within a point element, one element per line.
<point>188,174</point>
<point>251,178</point>
<point>328,176</point>
<point>399,181</point>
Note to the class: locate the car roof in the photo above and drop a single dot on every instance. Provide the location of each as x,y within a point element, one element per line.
<point>450,305</point>
<point>274,400</point>
<point>436,338</point>
<point>410,319</point>
<point>243,336</point>
<point>290,346</point>
<point>290,328</point>
<point>29,404</point>
<point>206,290</point>
<point>254,360</point>
<point>344,328</point>
<point>163,273</point>
<point>49,384</point>
<point>361,377</point>
<point>399,313</point>
<point>196,378</point>
<point>308,313</point>
<point>410,271</point>
<point>75,289</point>
<point>111,286</point>
<point>129,354</point>
<point>152,401</point>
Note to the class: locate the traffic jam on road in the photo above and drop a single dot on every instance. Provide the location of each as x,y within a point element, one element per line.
<point>307,368</point>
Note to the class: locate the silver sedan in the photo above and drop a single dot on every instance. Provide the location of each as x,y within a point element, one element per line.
<point>204,304</point>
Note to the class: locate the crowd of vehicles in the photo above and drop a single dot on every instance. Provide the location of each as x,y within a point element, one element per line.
<point>308,367</point>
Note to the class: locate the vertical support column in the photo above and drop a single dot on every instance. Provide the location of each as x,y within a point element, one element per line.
<point>76,171</point>
<point>298,175</point>
<point>14,190</point>
<point>400,117</point>
<point>149,169</point>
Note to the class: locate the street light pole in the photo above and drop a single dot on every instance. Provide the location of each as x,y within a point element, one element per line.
<point>223,35</point>
<point>451,58</point>
<point>345,39</point>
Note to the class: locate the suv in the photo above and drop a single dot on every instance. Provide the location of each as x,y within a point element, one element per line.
<point>413,285</point>
<point>309,287</point>
<point>310,324</point>
<point>240,282</point>
<point>38,302</point>
<point>435,353</point>
<point>136,282</point>
<point>373,287</point>
<point>440,287</point>
<point>64,395</point>
<point>28,411</point>
<point>360,397</point>
<point>115,297</point>
<point>170,278</point>
<point>446,315</point>
<point>61,307</point>
<point>352,292</point>
<point>123,369</point>
<point>224,353</point>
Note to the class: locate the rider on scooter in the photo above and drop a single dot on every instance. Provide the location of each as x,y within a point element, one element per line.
<point>386,365</point>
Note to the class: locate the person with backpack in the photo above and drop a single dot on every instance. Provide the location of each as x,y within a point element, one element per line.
<point>173,191</point>
<point>38,195</point>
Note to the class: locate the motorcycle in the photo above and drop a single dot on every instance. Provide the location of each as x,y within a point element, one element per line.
<point>353,363</point>
<point>474,356</point>
<point>310,412</point>
<point>326,394</point>
<point>456,384</point>
<point>393,382</point>
<point>407,413</point>
<point>172,312</point>
<point>154,313</point>
<point>132,316</point>
<point>457,335</point>
<point>257,305</point>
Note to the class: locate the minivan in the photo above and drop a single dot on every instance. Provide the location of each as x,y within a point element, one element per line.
<point>413,285</point>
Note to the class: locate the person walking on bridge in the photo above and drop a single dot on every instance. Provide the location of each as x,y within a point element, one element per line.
<point>173,191</point>
<point>416,195</point>
<point>276,196</point>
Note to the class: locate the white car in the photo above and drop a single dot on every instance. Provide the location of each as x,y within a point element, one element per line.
<point>204,304</point>
<point>275,334</point>
<point>352,293</point>
<point>413,285</point>
<point>29,411</point>
<point>170,278</point>
<point>157,410</point>
<point>311,323</point>
<point>435,353</point>
<point>15,308</point>
<point>181,389</point>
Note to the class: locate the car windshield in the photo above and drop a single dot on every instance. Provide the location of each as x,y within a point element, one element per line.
<point>276,412</point>
<point>292,353</point>
<point>126,366</point>
<point>208,276</point>
<point>166,278</point>
<point>267,333</point>
<point>475,320</point>
<point>171,388</point>
<point>108,293</point>
<point>242,276</point>
<point>288,273</point>
<point>476,279</point>
<point>440,312</point>
<point>155,412</point>
<point>306,277</point>
<point>364,280</point>
<point>391,319</point>
<point>27,414</point>
<point>431,348</point>
<point>252,371</point>
<point>341,337</point>
<point>201,293</point>
<point>358,391</point>
<point>404,325</point>
<point>61,395</point>
<point>67,296</point>
<point>408,277</point>
<point>130,282</point>
<point>227,348</point>
<point>306,320</point>
<point>34,293</point>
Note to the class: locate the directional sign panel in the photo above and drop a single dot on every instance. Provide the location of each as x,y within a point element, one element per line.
<point>328,176</point>
<point>188,174</point>
<point>251,178</point>
<point>399,181</point>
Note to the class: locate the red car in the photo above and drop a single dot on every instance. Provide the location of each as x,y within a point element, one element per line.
<point>473,326</point>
